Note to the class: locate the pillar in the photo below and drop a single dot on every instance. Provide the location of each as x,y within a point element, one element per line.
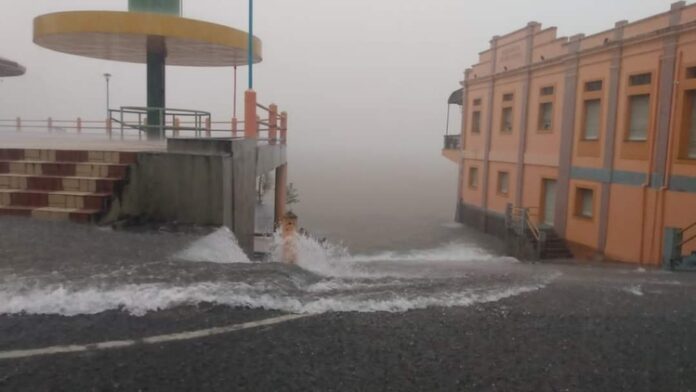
<point>610,138</point>
<point>281,189</point>
<point>272,123</point>
<point>284,128</point>
<point>251,129</point>
<point>483,224</point>
<point>532,29</point>
<point>567,135</point>
<point>234,127</point>
<point>156,75</point>
<point>177,126</point>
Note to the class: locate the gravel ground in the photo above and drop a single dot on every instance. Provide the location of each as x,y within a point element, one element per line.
<point>592,329</point>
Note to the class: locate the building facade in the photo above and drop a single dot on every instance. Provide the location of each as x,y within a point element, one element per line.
<point>596,135</point>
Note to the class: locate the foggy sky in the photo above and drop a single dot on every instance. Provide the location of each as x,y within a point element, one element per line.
<point>365,83</point>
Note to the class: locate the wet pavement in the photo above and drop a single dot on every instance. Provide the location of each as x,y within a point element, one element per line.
<point>455,317</point>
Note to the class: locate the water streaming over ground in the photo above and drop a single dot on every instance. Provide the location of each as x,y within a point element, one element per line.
<point>69,270</point>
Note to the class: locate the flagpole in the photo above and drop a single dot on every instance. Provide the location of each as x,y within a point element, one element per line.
<point>251,45</point>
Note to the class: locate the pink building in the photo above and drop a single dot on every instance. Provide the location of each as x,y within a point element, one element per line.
<point>587,139</point>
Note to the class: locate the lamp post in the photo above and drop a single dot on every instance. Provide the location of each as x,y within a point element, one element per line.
<point>107,77</point>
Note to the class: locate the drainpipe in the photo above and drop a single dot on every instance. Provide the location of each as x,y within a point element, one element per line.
<point>532,28</point>
<point>616,73</point>
<point>666,179</point>
<point>675,20</point>
<point>488,134</point>
<point>648,176</point>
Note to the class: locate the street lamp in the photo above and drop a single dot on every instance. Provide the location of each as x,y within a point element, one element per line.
<point>107,77</point>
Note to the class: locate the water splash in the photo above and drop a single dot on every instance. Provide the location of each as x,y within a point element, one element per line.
<point>455,252</point>
<point>331,260</point>
<point>138,300</point>
<point>213,269</point>
<point>219,247</point>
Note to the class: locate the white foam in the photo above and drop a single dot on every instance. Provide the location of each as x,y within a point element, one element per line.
<point>138,300</point>
<point>635,290</point>
<point>332,285</point>
<point>454,252</point>
<point>322,258</point>
<point>218,247</point>
<point>332,260</point>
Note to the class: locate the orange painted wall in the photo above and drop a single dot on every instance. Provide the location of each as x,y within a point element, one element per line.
<point>475,142</point>
<point>687,58</point>
<point>506,144</point>
<point>541,143</point>
<point>594,67</point>
<point>581,230</point>
<point>533,177</point>
<point>473,196</point>
<point>636,60</point>
<point>634,212</point>
<point>680,211</point>
<point>496,201</point>
<point>626,213</point>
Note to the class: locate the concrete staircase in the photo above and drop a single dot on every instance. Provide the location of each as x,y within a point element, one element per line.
<point>61,184</point>
<point>554,246</point>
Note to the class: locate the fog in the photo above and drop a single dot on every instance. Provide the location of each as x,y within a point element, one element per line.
<point>365,83</point>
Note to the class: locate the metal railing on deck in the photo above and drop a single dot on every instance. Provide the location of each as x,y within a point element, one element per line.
<point>129,122</point>
<point>452,142</point>
<point>133,126</point>
<point>136,118</point>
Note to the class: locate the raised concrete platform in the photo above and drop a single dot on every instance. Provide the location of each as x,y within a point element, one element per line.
<point>200,181</point>
<point>189,181</point>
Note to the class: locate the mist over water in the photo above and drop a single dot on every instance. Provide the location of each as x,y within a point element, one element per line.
<point>374,199</point>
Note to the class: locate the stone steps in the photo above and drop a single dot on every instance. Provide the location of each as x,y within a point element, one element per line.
<point>64,169</point>
<point>70,185</point>
<point>58,183</point>
<point>48,213</point>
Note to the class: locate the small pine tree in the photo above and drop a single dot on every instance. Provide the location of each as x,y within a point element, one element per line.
<point>292,196</point>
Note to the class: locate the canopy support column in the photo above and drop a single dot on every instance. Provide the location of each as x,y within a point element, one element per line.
<point>156,90</point>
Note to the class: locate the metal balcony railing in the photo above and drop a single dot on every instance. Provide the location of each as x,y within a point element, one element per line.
<point>130,123</point>
<point>452,142</point>
<point>135,118</point>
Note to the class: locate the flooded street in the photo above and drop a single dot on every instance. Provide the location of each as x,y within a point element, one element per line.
<point>65,269</point>
<point>86,308</point>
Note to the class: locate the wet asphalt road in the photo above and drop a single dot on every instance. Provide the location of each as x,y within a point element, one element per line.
<point>591,329</point>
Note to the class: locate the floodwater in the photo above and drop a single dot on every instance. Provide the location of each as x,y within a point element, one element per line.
<point>67,269</point>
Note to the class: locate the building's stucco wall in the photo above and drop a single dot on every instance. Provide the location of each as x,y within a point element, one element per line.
<point>639,187</point>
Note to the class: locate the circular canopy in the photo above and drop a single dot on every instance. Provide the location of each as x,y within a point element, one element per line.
<point>456,97</point>
<point>10,68</point>
<point>122,36</point>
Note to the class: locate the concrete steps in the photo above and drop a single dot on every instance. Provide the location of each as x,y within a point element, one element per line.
<point>555,247</point>
<point>61,184</point>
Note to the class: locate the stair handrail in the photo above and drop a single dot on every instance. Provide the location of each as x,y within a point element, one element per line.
<point>523,214</point>
<point>686,241</point>
<point>536,231</point>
